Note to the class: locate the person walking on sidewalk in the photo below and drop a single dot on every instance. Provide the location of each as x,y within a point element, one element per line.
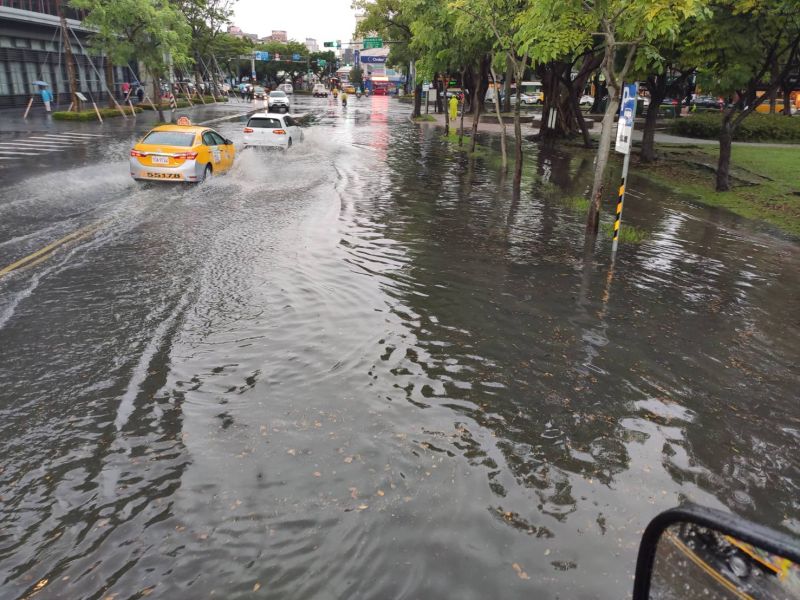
<point>126,91</point>
<point>453,108</point>
<point>47,98</point>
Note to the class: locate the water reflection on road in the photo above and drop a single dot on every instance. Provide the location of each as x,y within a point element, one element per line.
<point>364,370</point>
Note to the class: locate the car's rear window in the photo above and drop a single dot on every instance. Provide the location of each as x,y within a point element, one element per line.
<point>170,138</point>
<point>264,123</point>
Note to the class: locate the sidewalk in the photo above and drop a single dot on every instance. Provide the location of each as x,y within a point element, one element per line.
<point>38,120</point>
<point>533,128</point>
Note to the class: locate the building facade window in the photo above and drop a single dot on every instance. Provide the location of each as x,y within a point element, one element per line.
<point>17,78</point>
<point>5,84</point>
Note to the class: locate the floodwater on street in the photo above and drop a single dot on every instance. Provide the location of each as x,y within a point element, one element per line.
<point>362,369</point>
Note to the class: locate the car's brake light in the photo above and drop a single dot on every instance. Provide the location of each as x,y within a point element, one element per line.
<point>249,130</point>
<point>137,154</point>
<point>186,155</point>
<point>279,131</point>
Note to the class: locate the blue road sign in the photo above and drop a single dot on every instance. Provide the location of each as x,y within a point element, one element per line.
<point>295,57</point>
<point>627,113</point>
<point>261,55</point>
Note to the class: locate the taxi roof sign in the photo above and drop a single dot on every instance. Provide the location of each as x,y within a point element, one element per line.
<point>184,120</point>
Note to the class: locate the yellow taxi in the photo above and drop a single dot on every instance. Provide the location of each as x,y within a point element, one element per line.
<point>349,89</point>
<point>181,152</point>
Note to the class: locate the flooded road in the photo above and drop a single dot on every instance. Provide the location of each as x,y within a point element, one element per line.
<point>362,370</point>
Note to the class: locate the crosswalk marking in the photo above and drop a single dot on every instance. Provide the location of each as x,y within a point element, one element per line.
<point>33,149</point>
<point>43,143</point>
<point>64,136</point>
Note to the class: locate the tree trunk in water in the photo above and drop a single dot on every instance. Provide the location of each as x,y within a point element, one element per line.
<point>507,86</point>
<point>477,100</point>
<point>417,101</point>
<point>518,140</point>
<point>724,163</point>
<point>593,218</point>
<point>503,151</point>
<point>463,110</point>
<point>109,81</point>
<point>446,121</point>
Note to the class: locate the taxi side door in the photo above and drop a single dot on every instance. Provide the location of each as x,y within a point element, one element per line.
<point>225,149</point>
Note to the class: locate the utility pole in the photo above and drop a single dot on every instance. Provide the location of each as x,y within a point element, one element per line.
<point>73,83</point>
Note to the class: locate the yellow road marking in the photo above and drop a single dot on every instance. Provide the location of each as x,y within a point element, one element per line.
<point>707,568</point>
<point>34,258</point>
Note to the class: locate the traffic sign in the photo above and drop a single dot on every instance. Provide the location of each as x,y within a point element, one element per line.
<point>627,112</point>
<point>261,55</point>
<point>295,57</point>
<point>322,62</point>
<point>373,42</point>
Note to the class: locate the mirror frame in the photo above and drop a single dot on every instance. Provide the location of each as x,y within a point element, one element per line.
<point>727,523</point>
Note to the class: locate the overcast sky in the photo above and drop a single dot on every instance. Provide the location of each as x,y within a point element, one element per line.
<point>323,20</point>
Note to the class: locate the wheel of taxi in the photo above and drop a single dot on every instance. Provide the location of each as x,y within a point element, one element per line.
<point>206,172</point>
<point>289,145</point>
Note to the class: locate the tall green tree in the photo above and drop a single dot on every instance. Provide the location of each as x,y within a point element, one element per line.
<point>550,29</point>
<point>501,18</point>
<point>150,31</point>
<point>206,19</point>
<point>744,52</point>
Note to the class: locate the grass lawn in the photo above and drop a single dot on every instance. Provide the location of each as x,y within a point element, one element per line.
<point>766,181</point>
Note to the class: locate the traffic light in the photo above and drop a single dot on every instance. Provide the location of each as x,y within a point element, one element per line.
<point>329,44</point>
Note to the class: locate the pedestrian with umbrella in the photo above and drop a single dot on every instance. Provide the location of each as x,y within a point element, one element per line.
<point>47,95</point>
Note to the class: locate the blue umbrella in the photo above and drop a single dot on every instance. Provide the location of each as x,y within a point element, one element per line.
<point>42,83</point>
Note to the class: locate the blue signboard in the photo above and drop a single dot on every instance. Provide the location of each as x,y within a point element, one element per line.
<point>627,113</point>
<point>373,59</point>
<point>260,55</point>
<point>295,57</point>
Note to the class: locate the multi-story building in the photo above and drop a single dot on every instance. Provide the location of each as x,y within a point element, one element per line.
<point>279,35</point>
<point>312,45</point>
<point>31,50</point>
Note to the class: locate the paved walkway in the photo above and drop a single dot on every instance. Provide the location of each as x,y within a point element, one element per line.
<point>11,120</point>
<point>533,128</point>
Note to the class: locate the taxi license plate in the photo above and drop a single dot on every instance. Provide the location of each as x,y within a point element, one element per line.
<point>150,175</point>
<point>160,160</point>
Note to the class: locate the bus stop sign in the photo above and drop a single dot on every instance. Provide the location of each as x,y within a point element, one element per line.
<point>627,112</point>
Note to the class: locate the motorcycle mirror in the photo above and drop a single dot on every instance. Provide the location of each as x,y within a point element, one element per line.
<point>694,552</point>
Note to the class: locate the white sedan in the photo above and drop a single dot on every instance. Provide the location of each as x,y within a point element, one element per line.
<point>269,130</point>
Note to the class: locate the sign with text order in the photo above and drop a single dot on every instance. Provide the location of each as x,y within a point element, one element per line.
<point>373,59</point>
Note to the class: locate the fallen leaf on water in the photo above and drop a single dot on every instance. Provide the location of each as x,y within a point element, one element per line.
<point>354,493</point>
<point>520,573</point>
<point>363,507</point>
<point>317,474</point>
<point>547,552</point>
<point>256,587</point>
<point>380,492</point>
<point>348,459</point>
<point>291,451</point>
<point>39,585</point>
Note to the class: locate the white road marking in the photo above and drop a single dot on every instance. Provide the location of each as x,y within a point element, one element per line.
<point>19,153</point>
<point>29,146</point>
